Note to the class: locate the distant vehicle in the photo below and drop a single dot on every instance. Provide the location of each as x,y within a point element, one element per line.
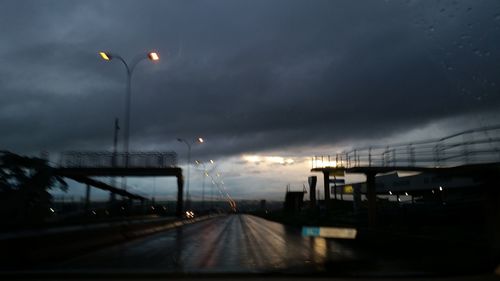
<point>189,214</point>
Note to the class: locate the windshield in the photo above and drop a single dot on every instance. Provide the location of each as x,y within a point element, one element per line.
<point>189,137</point>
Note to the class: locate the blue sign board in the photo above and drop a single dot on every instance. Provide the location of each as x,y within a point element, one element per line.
<point>310,231</point>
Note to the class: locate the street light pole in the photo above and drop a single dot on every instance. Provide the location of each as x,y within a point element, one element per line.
<point>199,140</point>
<point>112,197</point>
<point>130,69</point>
<point>205,174</point>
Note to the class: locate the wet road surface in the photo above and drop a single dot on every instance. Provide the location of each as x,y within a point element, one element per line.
<point>235,243</point>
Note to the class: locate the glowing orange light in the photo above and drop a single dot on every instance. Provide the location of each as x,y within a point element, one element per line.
<point>105,56</point>
<point>153,56</point>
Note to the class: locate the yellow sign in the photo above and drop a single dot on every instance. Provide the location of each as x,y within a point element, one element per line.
<point>337,232</point>
<point>348,189</point>
<point>330,232</point>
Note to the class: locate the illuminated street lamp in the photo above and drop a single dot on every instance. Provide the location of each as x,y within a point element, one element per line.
<point>205,174</point>
<point>199,140</point>
<point>153,56</point>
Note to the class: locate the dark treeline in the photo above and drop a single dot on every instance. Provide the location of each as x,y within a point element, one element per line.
<point>24,190</point>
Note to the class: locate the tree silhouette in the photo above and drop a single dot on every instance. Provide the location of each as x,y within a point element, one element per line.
<point>24,189</point>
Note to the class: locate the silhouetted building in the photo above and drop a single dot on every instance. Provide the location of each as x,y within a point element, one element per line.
<point>312,190</point>
<point>263,206</point>
<point>294,201</point>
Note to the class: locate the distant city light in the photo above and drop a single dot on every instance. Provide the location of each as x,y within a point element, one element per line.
<point>52,210</point>
<point>390,192</point>
<point>201,140</point>
<point>406,193</point>
<point>440,188</point>
<point>212,161</point>
<point>189,214</point>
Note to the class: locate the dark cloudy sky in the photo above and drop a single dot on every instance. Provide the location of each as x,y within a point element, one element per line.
<point>272,78</point>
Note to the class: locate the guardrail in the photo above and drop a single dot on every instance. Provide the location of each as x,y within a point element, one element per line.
<point>79,159</point>
<point>476,146</point>
<point>35,247</point>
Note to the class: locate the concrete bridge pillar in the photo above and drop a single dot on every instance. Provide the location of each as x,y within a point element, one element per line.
<point>492,214</point>
<point>312,190</point>
<point>180,200</point>
<point>87,198</point>
<point>372,198</point>
<point>326,185</point>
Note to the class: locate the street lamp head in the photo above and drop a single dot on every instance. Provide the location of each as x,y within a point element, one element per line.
<point>153,56</point>
<point>105,56</point>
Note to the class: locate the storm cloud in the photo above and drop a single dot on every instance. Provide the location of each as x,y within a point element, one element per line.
<point>250,76</point>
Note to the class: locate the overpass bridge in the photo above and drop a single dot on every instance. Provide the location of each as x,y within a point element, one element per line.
<point>474,153</point>
<point>81,166</point>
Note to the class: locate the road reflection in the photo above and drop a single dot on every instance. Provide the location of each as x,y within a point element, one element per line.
<point>177,255</point>
<point>237,243</point>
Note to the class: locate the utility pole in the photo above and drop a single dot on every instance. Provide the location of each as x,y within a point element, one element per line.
<point>112,196</point>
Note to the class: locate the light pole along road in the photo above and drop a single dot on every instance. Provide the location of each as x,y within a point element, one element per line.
<point>205,174</point>
<point>188,143</point>
<point>153,56</point>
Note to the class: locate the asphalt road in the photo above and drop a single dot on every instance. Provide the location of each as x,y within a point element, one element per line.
<point>235,243</point>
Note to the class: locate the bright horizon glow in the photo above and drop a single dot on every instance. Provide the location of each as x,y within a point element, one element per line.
<point>268,159</point>
<point>319,164</point>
